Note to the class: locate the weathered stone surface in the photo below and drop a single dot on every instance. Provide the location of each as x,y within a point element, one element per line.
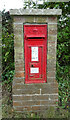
<point>51,51</point>
<point>51,66</point>
<point>51,61</point>
<point>18,25</point>
<point>22,108</point>
<point>35,12</point>
<point>18,68</point>
<point>49,90</point>
<point>35,89</point>
<point>52,38</point>
<point>19,20</point>
<point>18,31</point>
<point>38,109</point>
<point>18,38</point>
<point>19,50</point>
<point>19,62</point>
<point>51,74</point>
<point>52,20</point>
<point>19,74</point>
<point>51,80</point>
<point>45,90</point>
<point>26,103</point>
<point>29,19</point>
<point>50,102</point>
<point>34,86</point>
<point>18,80</point>
<point>18,56</point>
<point>51,46</point>
<point>41,19</point>
<point>35,97</point>
<point>34,102</point>
<point>52,31</point>
<point>52,26</point>
<point>51,56</point>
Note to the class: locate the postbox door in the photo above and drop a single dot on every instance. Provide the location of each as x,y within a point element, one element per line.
<point>35,49</point>
<point>35,62</point>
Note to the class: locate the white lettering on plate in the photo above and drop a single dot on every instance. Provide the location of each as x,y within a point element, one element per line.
<point>34,51</point>
<point>34,70</point>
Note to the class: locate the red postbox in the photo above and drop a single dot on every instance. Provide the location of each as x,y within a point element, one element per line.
<point>35,51</point>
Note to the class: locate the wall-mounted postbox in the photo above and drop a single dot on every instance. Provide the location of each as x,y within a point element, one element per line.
<point>31,60</point>
<point>35,51</point>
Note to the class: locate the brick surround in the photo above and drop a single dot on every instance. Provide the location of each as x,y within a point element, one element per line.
<point>34,97</point>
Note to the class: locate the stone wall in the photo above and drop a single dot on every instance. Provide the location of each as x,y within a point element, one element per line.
<point>34,97</point>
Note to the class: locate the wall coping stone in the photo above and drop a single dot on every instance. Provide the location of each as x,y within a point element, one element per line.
<point>35,12</point>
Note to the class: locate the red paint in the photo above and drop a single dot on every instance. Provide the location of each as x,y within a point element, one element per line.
<point>35,41</point>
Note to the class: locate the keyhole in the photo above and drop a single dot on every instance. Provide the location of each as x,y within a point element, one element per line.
<point>32,66</point>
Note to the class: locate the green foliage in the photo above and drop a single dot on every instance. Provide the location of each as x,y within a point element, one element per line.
<point>63,76</point>
<point>7,48</point>
<point>63,57</point>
